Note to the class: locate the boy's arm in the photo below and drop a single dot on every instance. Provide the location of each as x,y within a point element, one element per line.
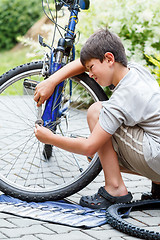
<point>85,146</point>
<point>45,89</point>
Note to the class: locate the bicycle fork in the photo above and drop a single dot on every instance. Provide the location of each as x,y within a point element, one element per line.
<point>53,104</point>
<point>52,109</point>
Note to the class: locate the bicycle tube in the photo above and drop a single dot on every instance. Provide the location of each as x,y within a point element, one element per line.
<point>24,173</point>
<point>117,212</point>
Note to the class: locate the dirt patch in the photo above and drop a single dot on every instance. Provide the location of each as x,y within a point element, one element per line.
<point>35,30</point>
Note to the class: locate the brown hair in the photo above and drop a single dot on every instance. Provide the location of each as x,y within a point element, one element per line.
<point>101,42</point>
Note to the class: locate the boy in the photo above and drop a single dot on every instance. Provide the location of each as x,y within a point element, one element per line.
<point>125,130</point>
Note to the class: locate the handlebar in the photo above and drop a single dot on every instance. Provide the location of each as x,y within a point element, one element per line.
<point>84,4</point>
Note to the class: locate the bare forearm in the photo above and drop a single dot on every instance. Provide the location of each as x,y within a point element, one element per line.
<point>75,145</point>
<point>71,69</point>
<point>45,89</point>
<point>85,146</point>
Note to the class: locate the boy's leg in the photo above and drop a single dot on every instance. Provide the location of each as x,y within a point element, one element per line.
<point>114,184</point>
<point>108,157</point>
<point>128,143</point>
<point>154,194</point>
<point>132,137</point>
<point>114,188</point>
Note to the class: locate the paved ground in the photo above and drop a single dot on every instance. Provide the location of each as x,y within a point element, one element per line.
<point>12,227</point>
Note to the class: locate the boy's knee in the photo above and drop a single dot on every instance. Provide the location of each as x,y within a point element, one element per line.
<point>94,111</point>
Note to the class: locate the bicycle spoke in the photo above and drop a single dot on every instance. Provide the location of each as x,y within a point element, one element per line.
<point>59,167</point>
<point>31,164</point>
<point>4,136</point>
<point>21,151</point>
<point>24,100</point>
<point>25,161</point>
<point>17,115</point>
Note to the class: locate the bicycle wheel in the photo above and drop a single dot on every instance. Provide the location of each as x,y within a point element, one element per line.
<point>116,213</point>
<point>24,172</point>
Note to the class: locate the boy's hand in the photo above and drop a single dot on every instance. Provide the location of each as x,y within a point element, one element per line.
<point>43,91</point>
<point>43,134</point>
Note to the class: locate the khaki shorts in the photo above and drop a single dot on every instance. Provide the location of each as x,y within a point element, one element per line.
<point>128,143</point>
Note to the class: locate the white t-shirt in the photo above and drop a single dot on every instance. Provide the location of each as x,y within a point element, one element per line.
<point>136,101</point>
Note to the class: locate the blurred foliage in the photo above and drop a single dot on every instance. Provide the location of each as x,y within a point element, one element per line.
<point>155,60</point>
<point>136,22</point>
<point>16,17</point>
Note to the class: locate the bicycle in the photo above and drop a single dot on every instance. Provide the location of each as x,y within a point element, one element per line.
<point>30,170</point>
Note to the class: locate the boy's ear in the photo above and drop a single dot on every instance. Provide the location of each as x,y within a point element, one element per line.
<point>109,57</point>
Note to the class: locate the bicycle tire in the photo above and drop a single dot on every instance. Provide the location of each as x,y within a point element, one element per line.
<point>114,218</point>
<point>24,173</point>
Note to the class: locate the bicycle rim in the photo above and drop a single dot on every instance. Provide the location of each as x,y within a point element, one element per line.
<point>24,172</point>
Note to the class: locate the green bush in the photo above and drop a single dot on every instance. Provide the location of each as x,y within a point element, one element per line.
<point>16,17</point>
<point>155,60</point>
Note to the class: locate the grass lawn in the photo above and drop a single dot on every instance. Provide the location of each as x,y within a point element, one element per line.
<point>11,59</point>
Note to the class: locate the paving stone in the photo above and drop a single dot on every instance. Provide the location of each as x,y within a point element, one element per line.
<point>104,235</point>
<point>94,187</point>
<point>138,214</point>
<point>130,238</point>
<point>137,196</point>
<point>20,232</point>
<point>43,236</point>
<point>116,238</point>
<point>2,236</point>
<point>142,183</point>
<point>132,177</point>
<point>25,223</point>
<point>7,224</point>
<point>28,237</point>
<point>106,227</point>
<point>57,228</point>
<point>136,223</point>
<point>140,189</point>
<point>5,215</point>
<point>74,235</point>
<point>75,198</point>
<point>150,221</point>
<point>153,213</point>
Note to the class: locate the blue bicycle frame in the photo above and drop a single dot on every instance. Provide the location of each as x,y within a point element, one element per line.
<point>53,109</point>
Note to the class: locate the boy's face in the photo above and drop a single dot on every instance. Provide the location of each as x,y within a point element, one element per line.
<point>102,72</point>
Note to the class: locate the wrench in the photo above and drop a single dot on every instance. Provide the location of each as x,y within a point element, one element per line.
<point>39,120</point>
